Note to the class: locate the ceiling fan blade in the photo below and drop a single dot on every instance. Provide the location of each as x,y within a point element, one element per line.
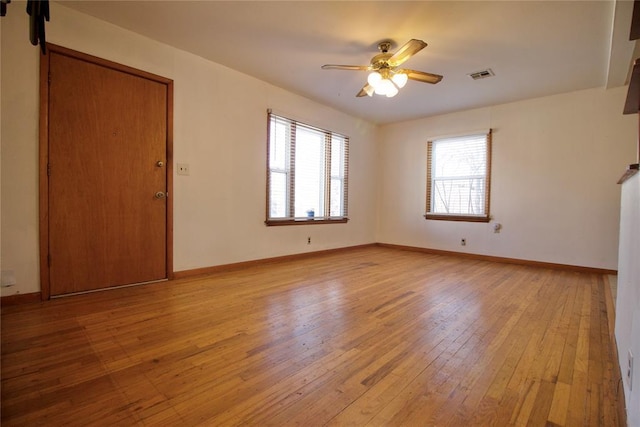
<point>409,49</point>
<point>367,90</point>
<point>421,76</point>
<point>345,67</point>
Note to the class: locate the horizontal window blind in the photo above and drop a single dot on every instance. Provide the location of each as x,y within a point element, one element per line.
<point>307,172</point>
<point>458,176</point>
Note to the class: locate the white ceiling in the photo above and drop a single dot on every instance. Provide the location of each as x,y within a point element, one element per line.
<point>535,48</point>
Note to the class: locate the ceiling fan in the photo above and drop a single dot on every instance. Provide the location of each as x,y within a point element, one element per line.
<point>385,77</point>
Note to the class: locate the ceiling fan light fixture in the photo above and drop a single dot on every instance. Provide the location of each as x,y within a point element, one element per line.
<point>400,79</point>
<point>385,78</point>
<point>391,90</point>
<point>374,78</point>
<point>380,89</point>
<point>386,87</point>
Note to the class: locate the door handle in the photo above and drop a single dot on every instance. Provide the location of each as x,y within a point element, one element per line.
<point>160,195</point>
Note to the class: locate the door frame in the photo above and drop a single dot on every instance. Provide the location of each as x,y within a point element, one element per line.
<point>45,285</point>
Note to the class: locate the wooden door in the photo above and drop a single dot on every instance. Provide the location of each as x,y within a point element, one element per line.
<point>107,174</point>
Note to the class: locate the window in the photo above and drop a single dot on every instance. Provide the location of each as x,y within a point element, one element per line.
<point>458,178</point>
<point>307,173</point>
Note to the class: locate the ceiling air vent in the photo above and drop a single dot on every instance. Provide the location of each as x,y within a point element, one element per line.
<point>481,74</point>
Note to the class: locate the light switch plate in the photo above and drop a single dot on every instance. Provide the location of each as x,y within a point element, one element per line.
<point>183,169</point>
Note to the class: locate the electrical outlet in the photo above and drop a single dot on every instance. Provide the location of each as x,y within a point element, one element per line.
<point>183,169</point>
<point>463,242</point>
<point>630,369</point>
<point>308,240</point>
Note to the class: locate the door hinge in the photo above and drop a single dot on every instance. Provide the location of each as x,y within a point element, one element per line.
<point>49,77</point>
<point>48,169</point>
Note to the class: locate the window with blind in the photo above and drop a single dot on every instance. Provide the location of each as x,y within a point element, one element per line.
<point>307,175</point>
<point>458,178</point>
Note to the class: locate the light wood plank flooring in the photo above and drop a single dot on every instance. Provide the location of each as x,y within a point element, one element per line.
<point>365,337</point>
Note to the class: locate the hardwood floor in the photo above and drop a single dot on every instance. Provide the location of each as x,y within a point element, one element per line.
<point>370,336</point>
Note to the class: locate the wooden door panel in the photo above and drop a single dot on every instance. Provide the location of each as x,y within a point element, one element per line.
<point>107,133</point>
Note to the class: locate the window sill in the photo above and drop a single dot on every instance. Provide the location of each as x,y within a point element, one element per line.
<point>305,221</point>
<point>465,218</point>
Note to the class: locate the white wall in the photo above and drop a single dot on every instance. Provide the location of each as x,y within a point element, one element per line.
<point>628,298</point>
<point>19,155</point>
<point>555,164</point>
<point>219,130</point>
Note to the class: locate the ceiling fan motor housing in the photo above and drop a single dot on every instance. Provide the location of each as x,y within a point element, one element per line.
<point>380,61</point>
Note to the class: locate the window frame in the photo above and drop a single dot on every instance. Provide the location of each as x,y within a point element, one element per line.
<point>327,175</point>
<point>484,217</point>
